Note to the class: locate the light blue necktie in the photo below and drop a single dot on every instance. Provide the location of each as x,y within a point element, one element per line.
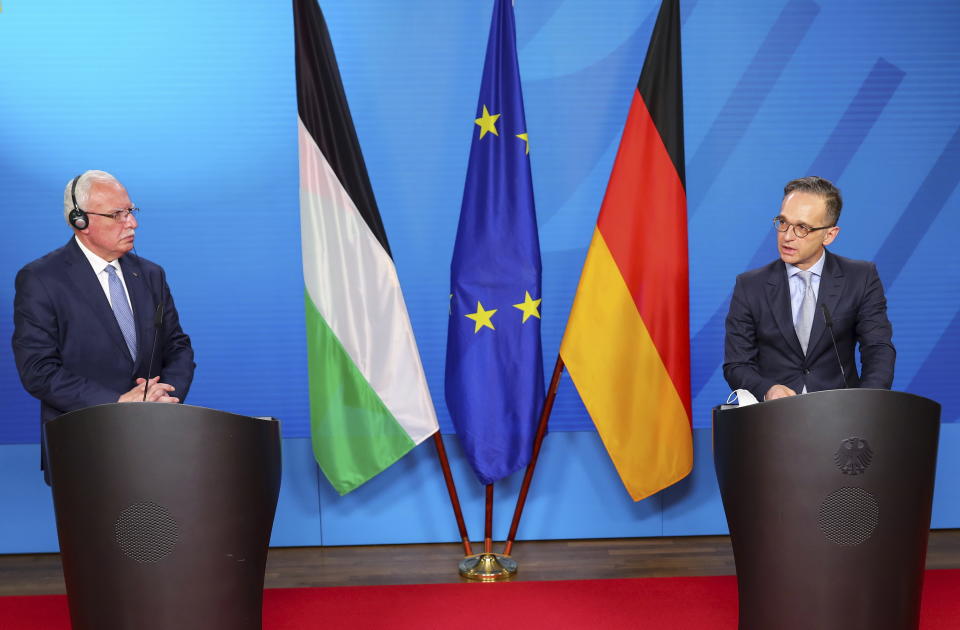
<point>121,309</point>
<point>808,308</point>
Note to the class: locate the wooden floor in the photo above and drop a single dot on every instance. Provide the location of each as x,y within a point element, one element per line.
<point>38,574</point>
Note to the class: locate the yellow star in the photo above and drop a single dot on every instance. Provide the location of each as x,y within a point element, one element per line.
<point>529,307</point>
<point>482,318</point>
<point>487,122</point>
<point>523,136</point>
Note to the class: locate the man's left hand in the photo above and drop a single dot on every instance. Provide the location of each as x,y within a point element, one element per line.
<point>157,391</point>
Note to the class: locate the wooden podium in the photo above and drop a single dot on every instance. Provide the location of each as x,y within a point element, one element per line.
<point>164,515</point>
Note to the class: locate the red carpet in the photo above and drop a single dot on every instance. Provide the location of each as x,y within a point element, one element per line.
<point>696,603</point>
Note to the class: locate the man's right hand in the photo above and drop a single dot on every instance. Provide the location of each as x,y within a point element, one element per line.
<point>156,392</point>
<point>779,391</point>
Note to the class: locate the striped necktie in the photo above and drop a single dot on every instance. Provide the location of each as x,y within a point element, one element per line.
<point>121,309</point>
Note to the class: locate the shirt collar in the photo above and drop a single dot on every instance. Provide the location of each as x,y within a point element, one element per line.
<point>816,269</point>
<point>98,264</point>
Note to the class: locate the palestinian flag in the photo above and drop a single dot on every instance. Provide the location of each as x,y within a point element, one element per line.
<point>369,402</point>
<point>627,342</point>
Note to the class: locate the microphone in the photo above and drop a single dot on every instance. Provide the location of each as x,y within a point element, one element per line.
<point>157,325</point>
<point>829,322</point>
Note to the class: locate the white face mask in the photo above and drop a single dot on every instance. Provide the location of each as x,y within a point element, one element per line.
<point>742,398</point>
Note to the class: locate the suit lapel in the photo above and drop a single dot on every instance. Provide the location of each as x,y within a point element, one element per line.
<point>778,299</point>
<point>91,291</point>
<point>831,287</point>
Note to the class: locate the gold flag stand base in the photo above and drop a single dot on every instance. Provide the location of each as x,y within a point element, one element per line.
<point>488,567</point>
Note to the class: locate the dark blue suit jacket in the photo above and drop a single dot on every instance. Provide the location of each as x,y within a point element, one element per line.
<point>66,341</point>
<point>761,348</point>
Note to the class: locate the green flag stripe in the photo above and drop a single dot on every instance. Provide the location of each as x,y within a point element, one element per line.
<point>354,434</point>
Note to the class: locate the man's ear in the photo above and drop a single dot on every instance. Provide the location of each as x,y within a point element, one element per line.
<point>831,235</point>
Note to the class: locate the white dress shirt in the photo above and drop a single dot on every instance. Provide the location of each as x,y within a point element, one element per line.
<point>797,287</point>
<point>100,268</point>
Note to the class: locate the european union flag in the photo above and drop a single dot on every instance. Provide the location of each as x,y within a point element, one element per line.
<point>494,376</point>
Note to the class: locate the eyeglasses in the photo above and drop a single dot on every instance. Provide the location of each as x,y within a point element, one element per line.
<point>120,215</point>
<point>799,229</point>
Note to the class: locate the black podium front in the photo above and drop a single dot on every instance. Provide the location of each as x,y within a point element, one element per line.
<point>164,515</point>
<point>828,498</point>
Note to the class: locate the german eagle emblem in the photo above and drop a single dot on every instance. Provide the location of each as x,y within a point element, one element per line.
<point>853,456</point>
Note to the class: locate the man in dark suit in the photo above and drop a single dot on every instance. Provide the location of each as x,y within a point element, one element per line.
<point>85,315</point>
<point>777,343</point>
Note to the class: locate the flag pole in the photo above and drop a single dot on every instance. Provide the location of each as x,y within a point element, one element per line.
<point>488,566</point>
<point>537,442</point>
<point>452,491</point>
<point>488,521</point>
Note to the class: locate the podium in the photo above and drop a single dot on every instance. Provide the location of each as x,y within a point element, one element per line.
<point>164,515</point>
<point>828,498</point>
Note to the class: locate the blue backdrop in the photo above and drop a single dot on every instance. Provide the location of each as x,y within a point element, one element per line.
<point>192,106</point>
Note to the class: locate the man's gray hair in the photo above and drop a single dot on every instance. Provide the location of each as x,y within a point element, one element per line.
<point>84,184</point>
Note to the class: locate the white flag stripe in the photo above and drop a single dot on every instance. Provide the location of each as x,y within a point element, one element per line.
<point>354,284</point>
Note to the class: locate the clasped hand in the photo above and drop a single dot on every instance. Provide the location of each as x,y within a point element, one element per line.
<point>156,392</point>
<point>779,391</point>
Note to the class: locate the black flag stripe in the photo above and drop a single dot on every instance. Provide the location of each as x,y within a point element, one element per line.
<point>661,84</point>
<point>323,108</point>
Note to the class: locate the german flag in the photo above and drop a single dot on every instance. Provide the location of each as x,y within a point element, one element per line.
<point>627,342</point>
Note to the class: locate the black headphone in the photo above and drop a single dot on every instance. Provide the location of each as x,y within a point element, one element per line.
<point>77,217</point>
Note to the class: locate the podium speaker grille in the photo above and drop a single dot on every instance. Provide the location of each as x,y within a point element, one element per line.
<point>146,532</point>
<point>848,516</point>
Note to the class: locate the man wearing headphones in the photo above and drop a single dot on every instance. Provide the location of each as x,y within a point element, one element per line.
<point>94,323</point>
